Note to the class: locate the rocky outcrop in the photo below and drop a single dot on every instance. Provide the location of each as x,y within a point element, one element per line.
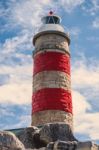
<point>62,145</point>
<point>57,131</point>
<point>68,145</point>
<point>8,141</point>
<point>52,136</point>
<point>30,137</point>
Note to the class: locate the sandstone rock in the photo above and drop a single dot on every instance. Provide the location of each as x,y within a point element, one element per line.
<point>26,136</point>
<point>30,137</point>
<point>72,145</point>
<point>87,146</point>
<point>8,141</point>
<point>50,146</point>
<point>52,132</point>
<point>56,136</point>
<point>43,148</point>
<point>62,145</point>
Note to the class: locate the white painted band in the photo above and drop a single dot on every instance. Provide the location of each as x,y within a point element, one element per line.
<point>51,79</point>
<point>48,116</point>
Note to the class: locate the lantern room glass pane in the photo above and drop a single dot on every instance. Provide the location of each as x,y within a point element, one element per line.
<point>51,20</point>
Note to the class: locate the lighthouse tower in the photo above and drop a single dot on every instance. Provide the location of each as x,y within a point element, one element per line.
<point>51,100</point>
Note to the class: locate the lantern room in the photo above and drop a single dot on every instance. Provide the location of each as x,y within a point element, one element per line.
<point>51,19</point>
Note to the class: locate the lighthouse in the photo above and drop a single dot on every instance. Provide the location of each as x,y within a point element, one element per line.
<point>51,97</point>
<point>52,118</point>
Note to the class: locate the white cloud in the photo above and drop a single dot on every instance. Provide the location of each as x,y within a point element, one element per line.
<point>95,7</point>
<point>17,50</point>
<point>23,121</point>
<point>18,89</point>
<point>5,112</point>
<point>85,122</point>
<point>69,5</point>
<point>85,78</point>
<point>27,14</point>
<point>75,31</point>
<point>85,73</point>
<point>85,82</point>
<point>24,18</point>
<point>16,43</point>
<point>17,72</point>
<point>93,38</point>
<point>16,93</point>
<point>91,7</point>
<point>95,23</point>
<point>79,103</point>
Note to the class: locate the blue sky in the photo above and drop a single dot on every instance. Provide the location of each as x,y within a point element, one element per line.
<point>19,21</point>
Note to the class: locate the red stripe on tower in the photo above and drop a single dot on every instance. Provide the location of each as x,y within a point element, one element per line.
<point>50,61</point>
<point>51,98</point>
